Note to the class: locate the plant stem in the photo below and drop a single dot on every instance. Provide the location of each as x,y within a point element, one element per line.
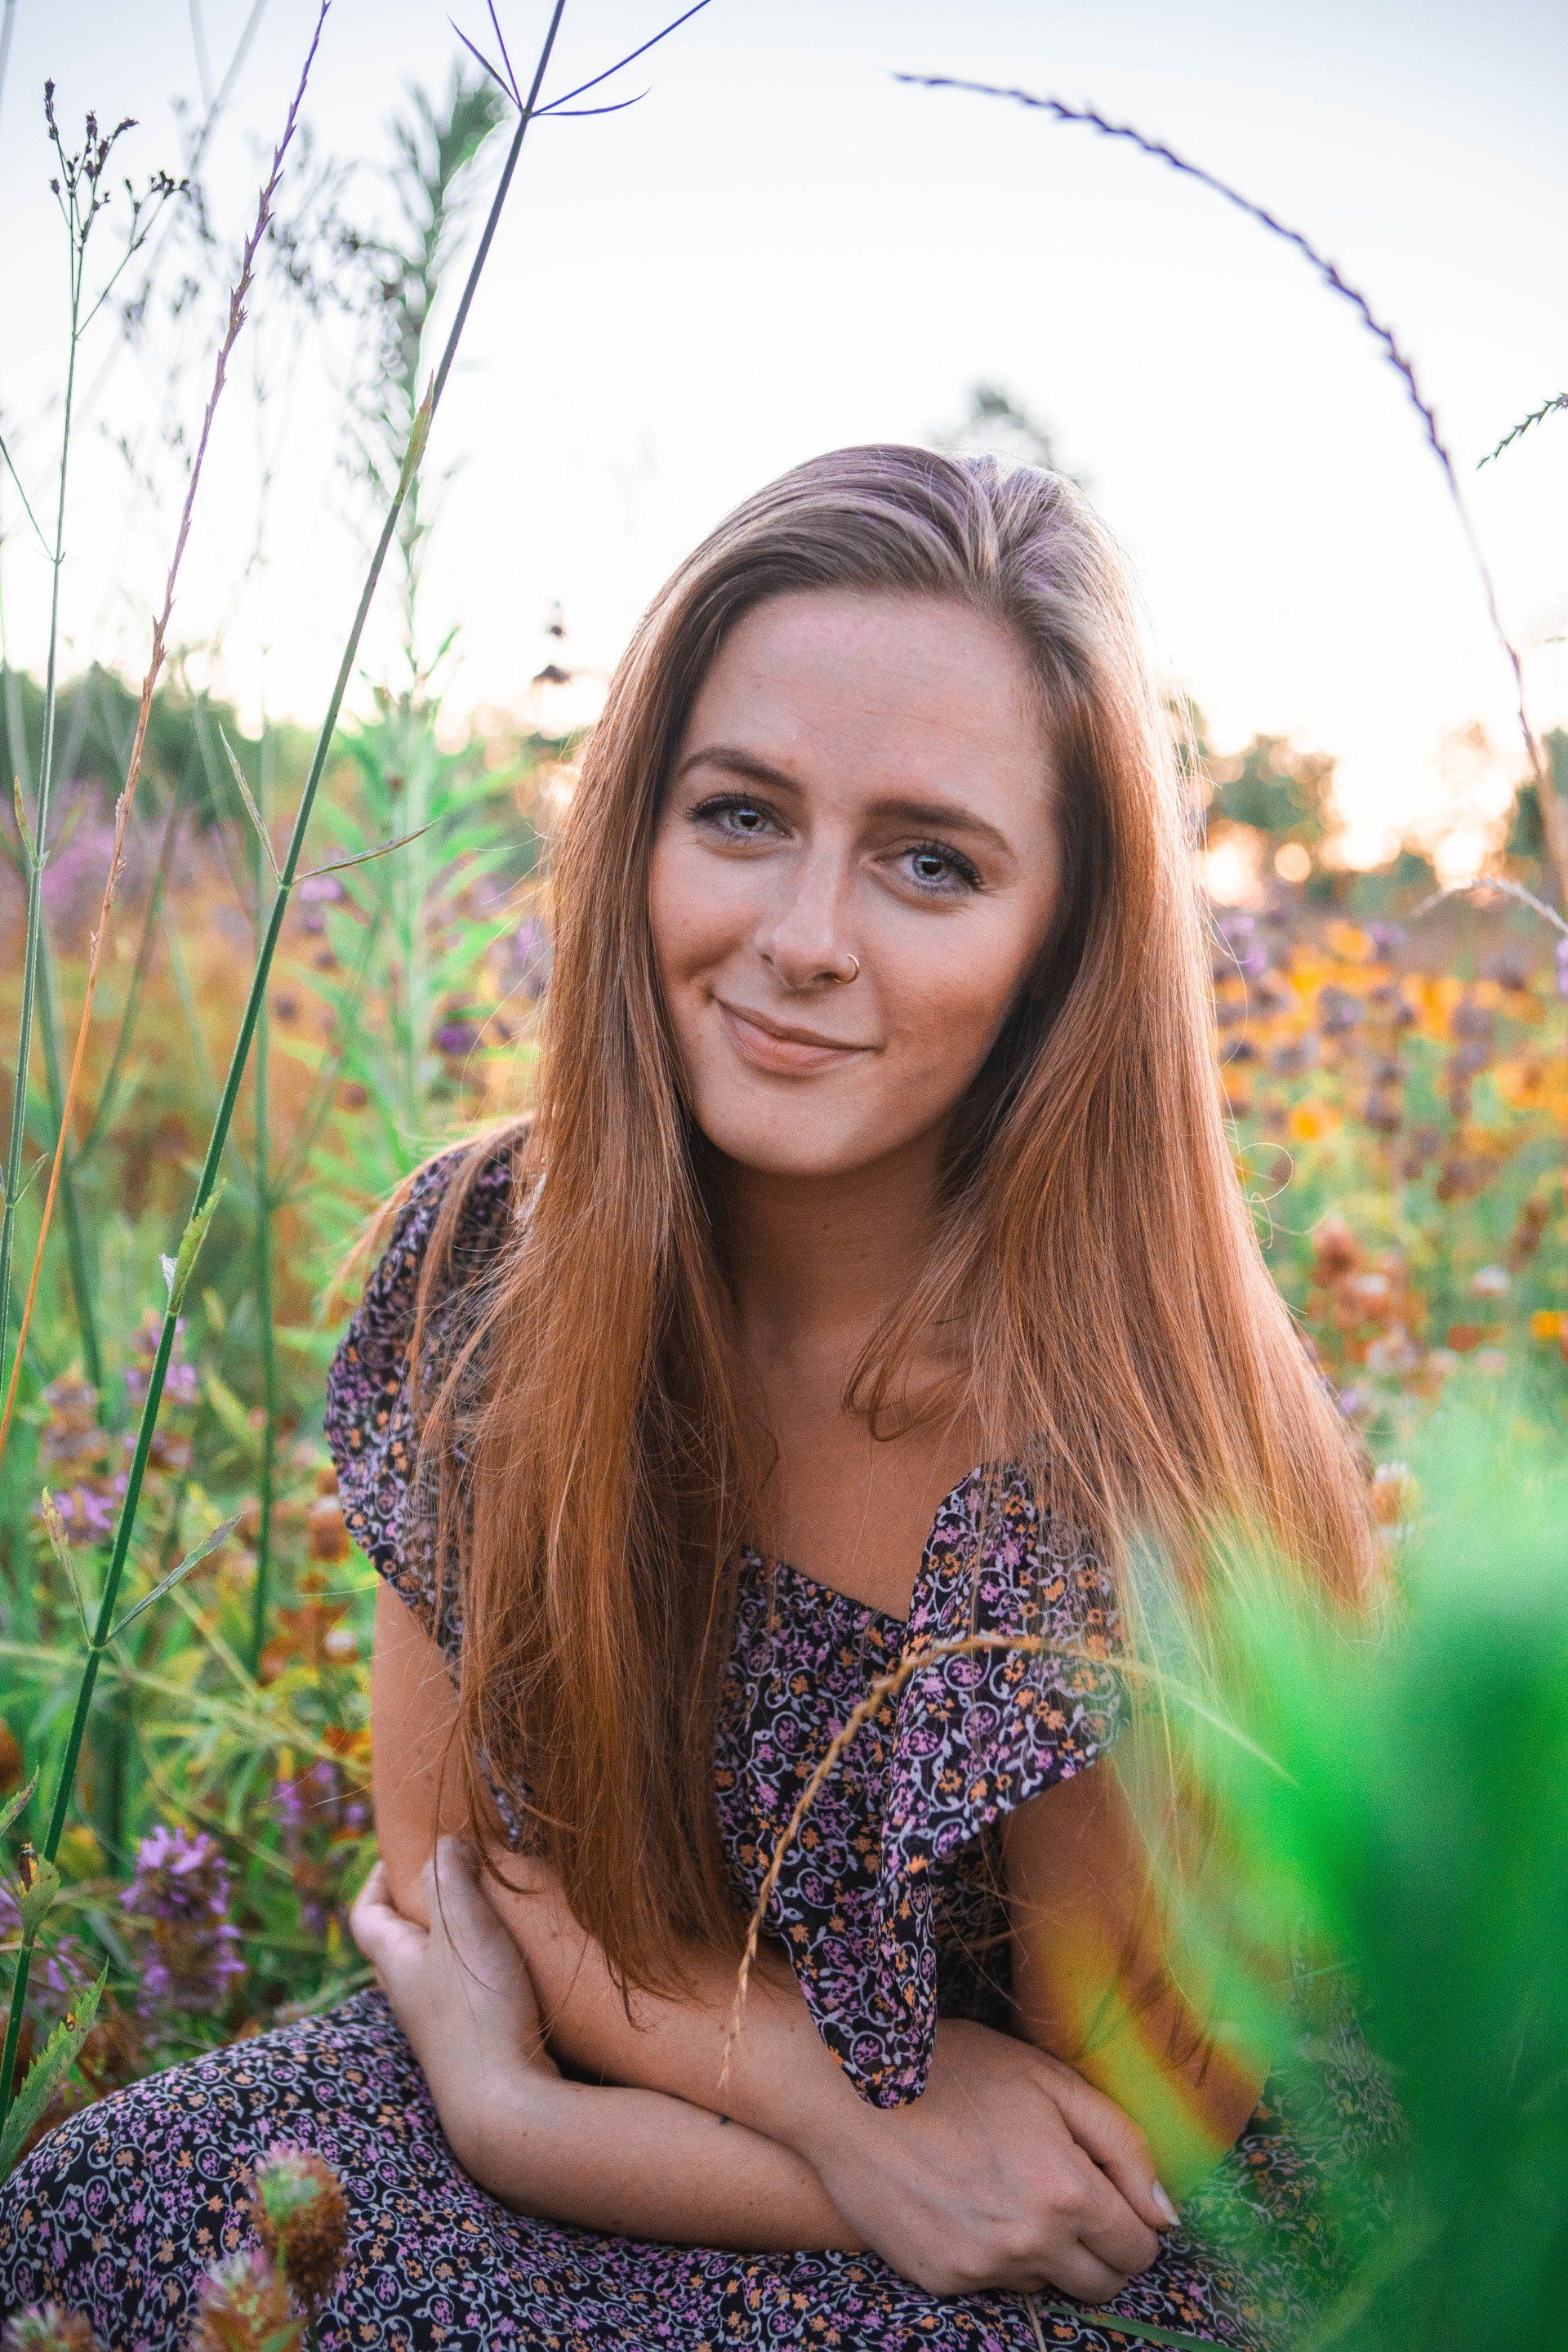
<point>238,300</point>
<point>158,1373</point>
<point>39,848</point>
<point>1554,805</point>
<point>76,1240</point>
<point>416,764</point>
<point>262,1233</point>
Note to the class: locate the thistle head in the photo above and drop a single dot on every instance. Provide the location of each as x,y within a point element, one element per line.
<point>302,2217</point>
<point>45,2327</point>
<point>244,2305</point>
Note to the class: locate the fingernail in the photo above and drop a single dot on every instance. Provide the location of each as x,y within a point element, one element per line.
<point>1171,2217</point>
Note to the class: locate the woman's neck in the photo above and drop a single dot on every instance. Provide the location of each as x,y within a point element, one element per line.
<point>817,1262</point>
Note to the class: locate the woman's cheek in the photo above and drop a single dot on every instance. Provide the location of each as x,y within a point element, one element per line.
<point>680,916</point>
<point>959,1003</point>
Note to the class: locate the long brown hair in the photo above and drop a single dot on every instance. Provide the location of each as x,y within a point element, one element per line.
<point>1122,1336</point>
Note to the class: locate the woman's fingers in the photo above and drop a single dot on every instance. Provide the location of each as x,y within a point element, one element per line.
<point>481,1951</point>
<point>1080,2272</point>
<point>379,1927</point>
<point>1114,2141</point>
<point>1110,2229</point>
<point>469,1919</point>
<point>460,1981</point>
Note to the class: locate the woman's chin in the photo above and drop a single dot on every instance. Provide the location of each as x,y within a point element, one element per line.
<point>794,1147</point>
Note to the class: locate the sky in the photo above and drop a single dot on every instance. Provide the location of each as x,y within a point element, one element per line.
<point>781,248</point>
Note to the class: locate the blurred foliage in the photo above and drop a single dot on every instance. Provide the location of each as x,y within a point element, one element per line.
<point>1406,1841</point>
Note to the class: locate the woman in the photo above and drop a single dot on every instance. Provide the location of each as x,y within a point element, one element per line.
<point>872,1274</point>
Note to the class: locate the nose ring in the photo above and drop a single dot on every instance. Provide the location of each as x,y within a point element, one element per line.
<point>854,975</point>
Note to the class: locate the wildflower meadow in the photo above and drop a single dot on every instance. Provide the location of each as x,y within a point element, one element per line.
<point>252,972</point>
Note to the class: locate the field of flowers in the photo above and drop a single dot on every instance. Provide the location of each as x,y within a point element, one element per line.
<point>1394,1061</point>
<point>1399,1093</point>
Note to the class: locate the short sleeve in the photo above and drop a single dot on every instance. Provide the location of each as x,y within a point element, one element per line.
<point>978,1730</point>
<point>1035,1700</point>
<point>368,1422</point>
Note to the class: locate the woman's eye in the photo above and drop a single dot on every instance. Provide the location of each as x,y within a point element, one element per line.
<point>940,873</point>
<point>734,818</point>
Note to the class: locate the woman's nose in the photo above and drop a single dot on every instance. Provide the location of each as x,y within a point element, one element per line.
<point>803,939</point>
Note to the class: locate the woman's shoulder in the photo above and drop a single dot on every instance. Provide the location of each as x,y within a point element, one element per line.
<point>429,1250</point>
<point>432,1240</point>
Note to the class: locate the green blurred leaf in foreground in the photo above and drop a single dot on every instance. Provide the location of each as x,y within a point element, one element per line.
<point>1413,1836</point>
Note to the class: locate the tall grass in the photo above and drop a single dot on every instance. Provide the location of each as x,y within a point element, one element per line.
<point>104,1626</point>
<point>1553,807</point>
<point>235,1705</point>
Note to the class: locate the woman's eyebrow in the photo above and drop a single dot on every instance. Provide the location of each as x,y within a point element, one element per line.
<point>950,816</point>
<point>737,764</point>
<point>943,816</point>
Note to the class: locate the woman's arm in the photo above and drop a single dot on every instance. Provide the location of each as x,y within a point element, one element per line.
<point>636,2162</point>
<point>1092,1982</point>
<point>633,2161</point>
<point>1008,2171</point>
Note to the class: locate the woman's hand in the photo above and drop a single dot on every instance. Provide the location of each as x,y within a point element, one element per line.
<point>461,1988</point>
<point>1007,2171</point>
<point>637,2163</point>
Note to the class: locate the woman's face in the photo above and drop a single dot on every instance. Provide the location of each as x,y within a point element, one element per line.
<point>854,871</point>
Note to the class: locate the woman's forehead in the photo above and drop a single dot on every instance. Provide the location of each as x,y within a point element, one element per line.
<point>901,694</point>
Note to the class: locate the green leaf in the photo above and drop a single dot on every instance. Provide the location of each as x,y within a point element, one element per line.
<point>59,1544</point>
<point>363,856</point>
<point>37,1900</point>
<point>22,827</point>
<point>237,772</point>
<point>209,1543</point>
<point>12,1805</point>
<point>191,1240</point>
<point>47,2070</point>
<point>228,1407</point>
<point>417,437</point>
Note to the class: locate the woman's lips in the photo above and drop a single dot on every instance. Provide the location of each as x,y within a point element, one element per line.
<point>765,1052</point>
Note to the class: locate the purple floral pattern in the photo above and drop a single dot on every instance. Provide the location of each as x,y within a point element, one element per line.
<point>887,1903</point>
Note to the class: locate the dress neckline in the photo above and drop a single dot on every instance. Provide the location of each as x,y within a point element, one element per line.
<point>867,1611</point>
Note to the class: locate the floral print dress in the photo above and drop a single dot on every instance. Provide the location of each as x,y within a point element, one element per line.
<point>887,1903</point>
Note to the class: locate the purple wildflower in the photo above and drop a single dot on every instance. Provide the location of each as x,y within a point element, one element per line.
<point>244,2301</point>
<point>87,1513</point>
<point>454,1038</point>
<point>1562,967</point>
<point>181,1889</point>
<point>1387,938</point>
<point>182,1384</point>
<point>1338,1011</point>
